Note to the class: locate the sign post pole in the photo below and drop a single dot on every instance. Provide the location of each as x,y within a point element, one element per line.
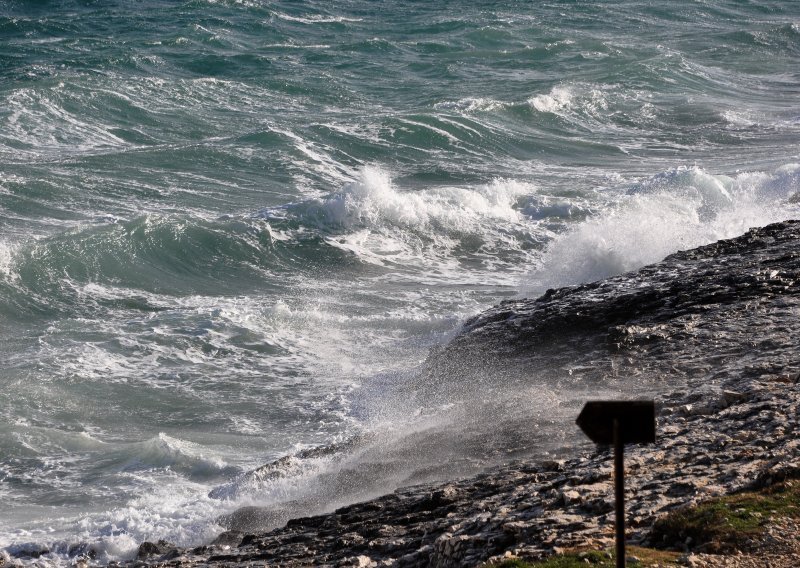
<point>619,493</point>
<point>619,422</point>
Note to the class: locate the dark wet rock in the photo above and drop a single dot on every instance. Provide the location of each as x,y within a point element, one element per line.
<point>31,550</point>
<point>678,298</point>
<point>83,550</point>
<point>148,548</point>
<point>718,324</point>
<point>251,519</point>
<point>228,538</point>
<point>160,549</point>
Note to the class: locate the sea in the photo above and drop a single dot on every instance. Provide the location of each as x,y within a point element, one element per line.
<point>233,231</point>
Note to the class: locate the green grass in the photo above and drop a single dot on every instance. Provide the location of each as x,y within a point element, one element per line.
<point>728,523</point>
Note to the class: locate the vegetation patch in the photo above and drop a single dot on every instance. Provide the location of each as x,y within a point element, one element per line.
<point>721,525</point>
<point>729,523</point>
<point>636,556</point>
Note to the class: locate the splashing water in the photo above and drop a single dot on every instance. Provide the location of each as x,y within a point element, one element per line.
<point>233,232</point>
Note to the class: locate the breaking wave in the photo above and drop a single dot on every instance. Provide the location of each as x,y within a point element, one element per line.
<point>675,210</point>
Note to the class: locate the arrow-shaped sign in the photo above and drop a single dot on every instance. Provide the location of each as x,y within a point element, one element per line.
<point>619,422</point>
<point>636,419</point>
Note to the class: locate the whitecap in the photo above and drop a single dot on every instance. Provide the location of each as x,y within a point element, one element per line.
<point>557,99</point>
<point>316,18</point>
<point>471,104</point>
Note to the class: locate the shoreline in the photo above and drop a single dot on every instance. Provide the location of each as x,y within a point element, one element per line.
<point>723,318</point>
<point>531,510</point>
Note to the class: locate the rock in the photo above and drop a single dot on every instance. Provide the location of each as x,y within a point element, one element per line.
<point>691,560</point>
<point>31,550</point>
<point>729,397</point>
<point>82,550</point>
<point>570,498</point>
<point>253,519</point>
<point>227,538</point>
<point>152,549</point>
<point>358,561</point>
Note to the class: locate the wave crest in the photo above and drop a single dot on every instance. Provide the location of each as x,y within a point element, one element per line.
<point>438,226</point>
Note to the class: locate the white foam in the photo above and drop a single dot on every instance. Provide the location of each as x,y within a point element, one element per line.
<point>296,46</point>
<point>471,104</point>
<point>244,3</point>
<point>373,200</point>
<point>432,228</point>
<point>166,473</point>
<point>7,260</point>
<point>676,210</point>
<point>577,101</point>
<point>316,18</point>
<point>557,99</point>
<point>740,118</point>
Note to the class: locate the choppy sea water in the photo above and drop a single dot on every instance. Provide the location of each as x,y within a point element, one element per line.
<point>234,230</point>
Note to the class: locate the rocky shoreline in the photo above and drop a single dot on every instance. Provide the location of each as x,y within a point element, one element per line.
<point>724,319</point>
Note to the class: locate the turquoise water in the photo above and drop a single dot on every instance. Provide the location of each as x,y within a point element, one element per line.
<point>233,230</point>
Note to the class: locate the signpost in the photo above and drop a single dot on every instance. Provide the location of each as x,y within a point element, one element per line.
<point>619,422</point>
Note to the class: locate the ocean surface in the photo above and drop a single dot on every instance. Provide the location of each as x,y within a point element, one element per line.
<point>232,231</point>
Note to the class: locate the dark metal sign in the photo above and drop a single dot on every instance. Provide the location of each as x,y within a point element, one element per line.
<point>619,422</point>
<point>636,419</point>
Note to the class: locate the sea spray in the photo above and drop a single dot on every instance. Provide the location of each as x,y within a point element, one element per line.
<point>234,233</point>
<point>676,210</point>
